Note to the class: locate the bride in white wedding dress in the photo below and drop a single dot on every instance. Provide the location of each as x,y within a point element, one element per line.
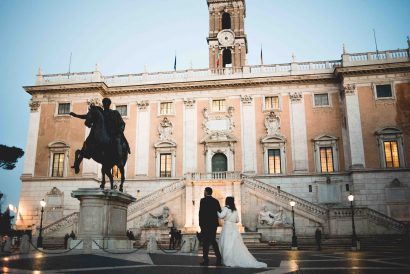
<point>233,250</point>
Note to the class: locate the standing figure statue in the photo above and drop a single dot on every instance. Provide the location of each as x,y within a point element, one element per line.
<point>106,143</point>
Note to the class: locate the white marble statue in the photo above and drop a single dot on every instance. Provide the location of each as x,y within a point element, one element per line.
<point>164,219</point>
<point>165,129</point>
<point>272,124</point>
<point>274,219</point>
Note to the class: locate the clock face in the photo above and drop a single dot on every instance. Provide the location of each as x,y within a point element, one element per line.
<point>226,38</point>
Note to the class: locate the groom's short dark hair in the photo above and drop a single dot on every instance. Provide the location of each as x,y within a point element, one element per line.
<point>208,190</point>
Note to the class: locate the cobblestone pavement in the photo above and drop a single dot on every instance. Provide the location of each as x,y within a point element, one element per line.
<point>310,262</point>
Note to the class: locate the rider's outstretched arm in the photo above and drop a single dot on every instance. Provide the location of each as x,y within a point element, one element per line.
<point>78,115</point>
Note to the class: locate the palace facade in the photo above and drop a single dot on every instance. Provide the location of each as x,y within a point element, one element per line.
<point>308,132</point>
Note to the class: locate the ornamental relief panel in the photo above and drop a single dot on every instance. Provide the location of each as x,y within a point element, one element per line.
<point>272,124</point>
<point>165,130</point>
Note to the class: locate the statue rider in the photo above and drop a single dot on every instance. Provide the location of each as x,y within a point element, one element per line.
<point>115,127</point>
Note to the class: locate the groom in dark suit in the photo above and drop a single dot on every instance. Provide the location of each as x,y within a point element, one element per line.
<point>208,221</point>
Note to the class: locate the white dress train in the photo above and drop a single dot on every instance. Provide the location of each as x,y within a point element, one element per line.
<point>233,250</point>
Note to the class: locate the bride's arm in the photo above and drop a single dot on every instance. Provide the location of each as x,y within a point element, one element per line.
<point>222,214</point>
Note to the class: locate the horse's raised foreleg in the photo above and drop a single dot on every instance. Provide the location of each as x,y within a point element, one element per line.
<point>122,177</point>
<point>78,159</point>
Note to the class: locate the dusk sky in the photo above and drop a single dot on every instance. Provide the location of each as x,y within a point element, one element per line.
<point>123,36</point>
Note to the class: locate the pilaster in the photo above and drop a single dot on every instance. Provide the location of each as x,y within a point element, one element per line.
<point>142,128</point>
<point>32,138</point>
<point>354,127</point>
<point>248,132</point>
<point>298,133</point>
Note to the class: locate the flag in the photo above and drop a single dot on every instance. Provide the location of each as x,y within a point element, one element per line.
<point>218,58</point>
<point>175,62</point>
<point>261,56</point>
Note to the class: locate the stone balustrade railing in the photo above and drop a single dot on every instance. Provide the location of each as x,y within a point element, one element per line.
<point>371,214</point>
<point>222,175</point>
<point>62,223</point>
<point>285,197</point>
<point>368,58</point>
<point>154,196</point>
<point>190,74</point>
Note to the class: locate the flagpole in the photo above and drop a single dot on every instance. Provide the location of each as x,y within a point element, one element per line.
<point>261,56</point>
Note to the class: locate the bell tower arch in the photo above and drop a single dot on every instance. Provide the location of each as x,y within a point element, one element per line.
<point>227,41</point>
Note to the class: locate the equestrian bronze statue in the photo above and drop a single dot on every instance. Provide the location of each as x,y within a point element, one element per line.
<point>106,143</point>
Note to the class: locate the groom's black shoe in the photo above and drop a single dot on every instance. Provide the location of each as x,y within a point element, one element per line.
<point>204,263</point>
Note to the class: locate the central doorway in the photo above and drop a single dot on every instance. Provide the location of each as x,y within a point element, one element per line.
<point>219,163</point>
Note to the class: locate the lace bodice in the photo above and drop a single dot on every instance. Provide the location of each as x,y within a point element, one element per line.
<point>228,215</point>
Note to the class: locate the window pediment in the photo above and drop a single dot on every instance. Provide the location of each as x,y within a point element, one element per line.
<point>388,131</point>
<point>218,137</point>
<point>273,139</point>
<point>165,144</point>
<point>58,145</point>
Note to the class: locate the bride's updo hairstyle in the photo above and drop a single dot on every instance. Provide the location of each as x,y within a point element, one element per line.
<point>230,203</point>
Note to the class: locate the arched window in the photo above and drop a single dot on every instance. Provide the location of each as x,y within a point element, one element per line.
<point>219,162</point>
<point>227,57</point>
<point>226,21</point>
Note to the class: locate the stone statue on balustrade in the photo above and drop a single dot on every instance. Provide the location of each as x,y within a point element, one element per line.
<point>278,219</point>
<point>164,219</point>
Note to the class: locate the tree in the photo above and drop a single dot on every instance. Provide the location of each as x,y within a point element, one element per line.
<point>9,156</point>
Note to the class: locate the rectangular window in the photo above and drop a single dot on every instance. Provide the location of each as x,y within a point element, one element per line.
<point>274,161</point>
<point>272,102</point>
<point>122,109</point>
<point>391,153</point>
<point>58,165</point>
<point>321,99</point>
<point>326,159</point>
<point>166,108</point>
<point>165,165</point>
<point>310,188</point>
<point>384,91</point>
<point>218,105</point>
<point>63,108</point>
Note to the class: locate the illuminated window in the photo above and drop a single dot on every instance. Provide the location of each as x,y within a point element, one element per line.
<point>165,165</point>
<point>218,105</point>
<point>122,109</point>
<point>326,154</point>
<point>321,99</point>
<point>391,151</point>
<point>326,159</point>
<point>165,108</point>
<point>274,154</point>
<point>271,102</point>
<point>63,108</point>
<point>274,161</point>
<point>58,165</point>
<point>58,159</point>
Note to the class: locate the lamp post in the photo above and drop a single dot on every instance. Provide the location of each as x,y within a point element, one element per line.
<point>354,238</point>
<point>40,236</point>
<point>294,238</point>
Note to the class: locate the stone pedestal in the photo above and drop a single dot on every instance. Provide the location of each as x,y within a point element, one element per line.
<point>103,219</point>
<point>280,234</point>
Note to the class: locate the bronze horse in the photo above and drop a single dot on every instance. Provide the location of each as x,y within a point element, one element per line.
<point>100,148</point>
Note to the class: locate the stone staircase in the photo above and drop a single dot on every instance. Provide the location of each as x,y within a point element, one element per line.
<point>150,201</point>
<point>53,242</point>
<point>62,226</point>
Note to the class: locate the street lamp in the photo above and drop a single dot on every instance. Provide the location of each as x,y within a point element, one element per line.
<point>354,238</point>
<point>294,238</point>
<point>40,237</point>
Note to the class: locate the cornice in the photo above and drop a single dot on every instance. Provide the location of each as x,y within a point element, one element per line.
<point>372,69</point>
<point>225,83</point>
<point>68,88</point>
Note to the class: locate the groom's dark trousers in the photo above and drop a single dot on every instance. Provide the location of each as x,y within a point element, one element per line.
<point>208,221</point>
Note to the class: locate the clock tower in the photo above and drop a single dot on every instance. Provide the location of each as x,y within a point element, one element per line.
<point>227,39</point>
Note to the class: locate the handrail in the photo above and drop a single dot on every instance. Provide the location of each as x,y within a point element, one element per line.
<point>66,220</point>
<point>141,203</point>
<point>221,175</point>
<point>287,197</point>
<point>374,215</point>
